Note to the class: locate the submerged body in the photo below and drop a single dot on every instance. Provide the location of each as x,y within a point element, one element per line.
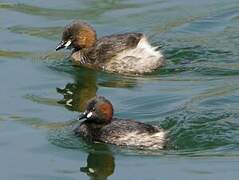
<point>118,131</point>
<point>128,53</point>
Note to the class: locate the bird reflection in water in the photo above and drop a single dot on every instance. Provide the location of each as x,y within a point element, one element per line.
<point>100,163</point>
<point>75,95</point>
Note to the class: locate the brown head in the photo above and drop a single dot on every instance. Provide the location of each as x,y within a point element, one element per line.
<point>77,35</point>
<point>98,110</point>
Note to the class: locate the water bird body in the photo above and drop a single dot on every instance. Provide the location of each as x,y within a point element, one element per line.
<point>128,53</point>
<point>101,126</point>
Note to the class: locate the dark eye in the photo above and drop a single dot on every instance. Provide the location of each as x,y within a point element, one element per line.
<point>93,109</point>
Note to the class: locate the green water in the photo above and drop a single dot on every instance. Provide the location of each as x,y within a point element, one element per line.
<point>195,96</point>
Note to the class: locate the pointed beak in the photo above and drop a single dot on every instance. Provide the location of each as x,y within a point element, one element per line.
<point>83,116</point>
<point>60,45</point>
<point>63,44</point>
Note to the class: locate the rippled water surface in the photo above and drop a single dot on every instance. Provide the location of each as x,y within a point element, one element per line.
<point>195,96</point>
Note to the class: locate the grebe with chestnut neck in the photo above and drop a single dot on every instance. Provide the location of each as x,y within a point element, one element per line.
<point>127,53</point>
<point>100,126</point>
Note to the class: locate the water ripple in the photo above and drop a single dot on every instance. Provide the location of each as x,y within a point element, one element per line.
<point>92,12</point>
<point>203,130</point>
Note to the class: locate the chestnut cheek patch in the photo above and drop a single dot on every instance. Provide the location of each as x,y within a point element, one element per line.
<point>107,110</point>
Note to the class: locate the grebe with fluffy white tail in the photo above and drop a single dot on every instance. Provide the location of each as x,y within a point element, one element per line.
<point>100,126</point>
<point>128,53</point>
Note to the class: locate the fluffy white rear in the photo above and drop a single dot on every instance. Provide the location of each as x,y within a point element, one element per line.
<point>142,59</point>
<point>144,140</point>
